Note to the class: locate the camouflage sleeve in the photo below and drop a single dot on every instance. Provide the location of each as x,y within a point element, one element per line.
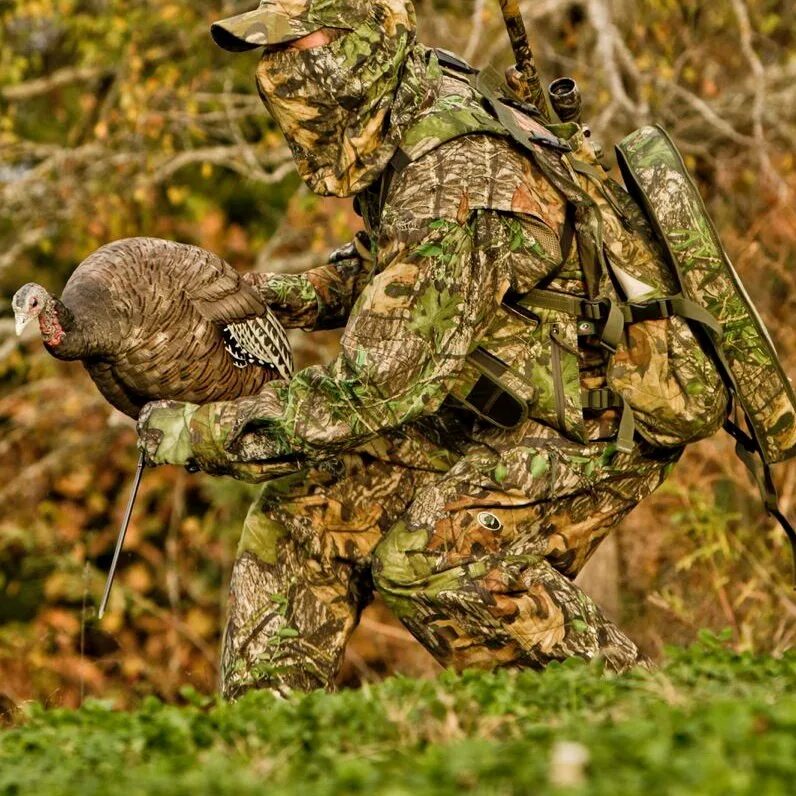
<point>318,299</point>
<point>402,349</point>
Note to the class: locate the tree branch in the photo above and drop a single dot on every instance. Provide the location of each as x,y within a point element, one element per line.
<point>43,85</point>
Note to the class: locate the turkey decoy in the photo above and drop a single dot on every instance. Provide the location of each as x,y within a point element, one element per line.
<point>154,319</point>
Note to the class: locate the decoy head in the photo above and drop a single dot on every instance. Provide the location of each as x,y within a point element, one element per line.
<point>28,303</point>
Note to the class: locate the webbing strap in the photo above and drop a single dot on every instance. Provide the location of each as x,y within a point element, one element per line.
<point>604,398</point>
<point>586,169</point>
<point>692,311</point>
<point>627,430</point>
<point>603,310</point>
<point>547,157</point>
<point>567,233</point>
<point>549,300</point>
<point>655,309</point>
<point>492,88</point>
<point>597,177</point>
<point>614,326</point>
<point>488,398</point>
<point>747,450</point>
<point>611,331</point>
<point>577,306</point>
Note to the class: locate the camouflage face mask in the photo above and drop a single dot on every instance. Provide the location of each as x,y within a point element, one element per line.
<point>340,106</point>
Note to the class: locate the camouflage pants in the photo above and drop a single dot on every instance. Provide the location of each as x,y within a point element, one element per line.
<point>475,551</point>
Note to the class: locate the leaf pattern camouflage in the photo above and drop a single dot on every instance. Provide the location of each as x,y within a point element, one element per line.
<point>654,165</point>
<point>366,454</point>
<point>343,107</point>
<point>474,548</point>
<point>375,477</point>
<point>279,21</point>
<point>662,373</point>
<point>671,384</point>
<point>406,345</point>
<point>318,299</point>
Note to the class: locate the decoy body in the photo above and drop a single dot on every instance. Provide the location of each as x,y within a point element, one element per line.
<point>153,319</point>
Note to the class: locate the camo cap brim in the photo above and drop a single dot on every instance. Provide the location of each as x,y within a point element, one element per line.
<point>280,21</point>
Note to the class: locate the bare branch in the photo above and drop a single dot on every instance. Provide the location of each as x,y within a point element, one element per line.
<point>476,30</point>
<point>43,85</point>
<point>25,239</point>
<point>707,113</point>
<point>608,38</point>
<point>759,97</point>
<point>231,157</point>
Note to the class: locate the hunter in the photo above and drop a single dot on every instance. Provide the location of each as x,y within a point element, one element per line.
<point>467,492</point>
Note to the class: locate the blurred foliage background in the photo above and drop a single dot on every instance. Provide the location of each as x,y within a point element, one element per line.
<point>120,117</point>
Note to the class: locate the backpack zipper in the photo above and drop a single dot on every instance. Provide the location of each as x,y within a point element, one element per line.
<point>558,377</point>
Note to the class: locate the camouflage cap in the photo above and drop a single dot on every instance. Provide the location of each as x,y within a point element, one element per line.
<point>278,21</point>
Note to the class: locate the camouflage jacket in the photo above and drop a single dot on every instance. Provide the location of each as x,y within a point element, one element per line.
<point>467,222</point>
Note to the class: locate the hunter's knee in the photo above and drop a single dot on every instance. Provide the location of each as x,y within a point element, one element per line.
<point>397,563</point>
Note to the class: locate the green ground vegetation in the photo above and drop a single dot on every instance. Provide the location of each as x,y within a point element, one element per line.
<point>710,721</point>
<point>122,117</point>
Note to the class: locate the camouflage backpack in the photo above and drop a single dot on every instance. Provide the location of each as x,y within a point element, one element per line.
<point>656,176</point>
<point>685,342</point>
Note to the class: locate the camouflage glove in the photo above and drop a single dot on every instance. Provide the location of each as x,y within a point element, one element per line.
<point>171,432</point>
<point>218,449</point>
<point>164,435</point>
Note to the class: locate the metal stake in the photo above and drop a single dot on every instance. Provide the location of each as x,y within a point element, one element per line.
<point>122,532</point>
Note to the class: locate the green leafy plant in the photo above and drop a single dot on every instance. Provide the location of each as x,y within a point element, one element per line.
<point>710,721</point>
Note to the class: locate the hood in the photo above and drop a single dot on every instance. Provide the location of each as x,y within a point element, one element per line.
<point>344,106</point>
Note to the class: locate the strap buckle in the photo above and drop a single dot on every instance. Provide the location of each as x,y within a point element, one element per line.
<point>550,143</point>
<point>610,317</point>
<point>595,310</point>
<point>600,399</point>
<point>654,310</point>
<point>525,107</point>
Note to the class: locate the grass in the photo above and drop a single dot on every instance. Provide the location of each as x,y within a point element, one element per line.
<point>709,722</point>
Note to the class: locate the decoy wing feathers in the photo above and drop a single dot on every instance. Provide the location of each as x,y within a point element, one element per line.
<point>262,341</point>
<point>217,290</point>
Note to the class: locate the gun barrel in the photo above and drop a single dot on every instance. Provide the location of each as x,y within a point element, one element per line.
<point>526,65</point>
